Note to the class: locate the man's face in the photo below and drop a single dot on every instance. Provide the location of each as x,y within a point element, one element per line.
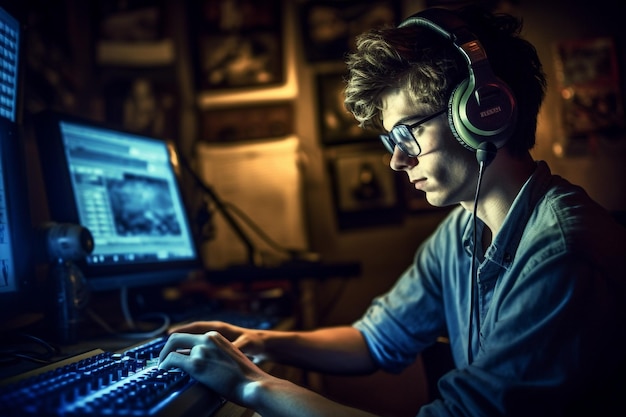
<point>444,169</point>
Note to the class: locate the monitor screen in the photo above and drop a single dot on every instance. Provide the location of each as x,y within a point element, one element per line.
<point>8,282</point>
<point>19,302</point>
<point>16,271</point>
<point>18,297</point>
<point>124,188</point>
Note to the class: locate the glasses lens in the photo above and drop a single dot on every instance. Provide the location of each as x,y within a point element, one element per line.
<point>386,140</point>
<point>402,136</point>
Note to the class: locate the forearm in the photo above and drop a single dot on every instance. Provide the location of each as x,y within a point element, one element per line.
<point>273,397</point>
<point>337,350</point>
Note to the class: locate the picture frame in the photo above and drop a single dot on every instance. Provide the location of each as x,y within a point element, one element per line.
<point>591,108</point>
<point>329,27</point>
<point>144,104</point>
<point>247,122</point>
<point>365,189</point>
<point>236,50</point>
<point>336,124</point>
<point>133,34</point>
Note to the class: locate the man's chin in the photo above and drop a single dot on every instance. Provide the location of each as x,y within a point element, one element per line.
<point>436,201</point>
<point>439,201</point>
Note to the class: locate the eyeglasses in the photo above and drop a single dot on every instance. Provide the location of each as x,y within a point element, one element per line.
<point>401,135</point>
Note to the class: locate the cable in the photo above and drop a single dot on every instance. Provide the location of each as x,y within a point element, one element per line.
<point>96,318</point>
<point>225,208</point>
<point>8,354</point>
<point>208,190</point>
<point>150,333</point>
<point>125,309</point>
<point>130,322</point>
<point>485,154</point>
<point>264,236</point>
<point>472,269</point>
<point>133,335</point>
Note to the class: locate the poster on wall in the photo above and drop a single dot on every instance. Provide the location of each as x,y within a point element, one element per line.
<point>132,34</point>
<point>365,190</point>
<point>592,110</point>
<point>148,105</point>
<point>329,27</point>
<point>261,122</point>
<point>249,181</point>
<point>236,44</point>
<point>337,125</point>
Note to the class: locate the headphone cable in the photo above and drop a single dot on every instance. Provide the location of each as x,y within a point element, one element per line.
<point>485,153</point>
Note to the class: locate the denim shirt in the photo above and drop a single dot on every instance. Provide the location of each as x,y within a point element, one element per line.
<point>549,305</point>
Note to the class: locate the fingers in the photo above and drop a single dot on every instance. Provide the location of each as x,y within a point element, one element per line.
<point>228,330</point>
<point>178,341</point>
<point>210,359</point>
<point>192,352</point>
<point>197,360</point>
<point>175,360</point>
<point>182,346</point>
<point>195,327</point>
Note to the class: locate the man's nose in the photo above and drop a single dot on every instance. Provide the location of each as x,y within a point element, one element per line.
<point>400,161</point>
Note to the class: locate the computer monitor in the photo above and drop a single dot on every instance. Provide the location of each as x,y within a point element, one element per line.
<point>125,189</point>
<point>17,282</point>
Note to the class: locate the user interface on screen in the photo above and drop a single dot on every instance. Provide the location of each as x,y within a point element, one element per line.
<point>127,195</point>
<point>9,57</point>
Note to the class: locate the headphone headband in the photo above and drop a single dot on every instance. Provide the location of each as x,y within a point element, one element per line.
<point>482,107</point>
<point>440,20</point>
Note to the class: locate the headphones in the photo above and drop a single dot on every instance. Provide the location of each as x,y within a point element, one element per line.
<point>482,109</point>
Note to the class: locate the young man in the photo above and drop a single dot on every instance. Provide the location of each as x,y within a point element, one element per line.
<point>526,277</point>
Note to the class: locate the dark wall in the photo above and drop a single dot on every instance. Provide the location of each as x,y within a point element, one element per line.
<point>63,74</point>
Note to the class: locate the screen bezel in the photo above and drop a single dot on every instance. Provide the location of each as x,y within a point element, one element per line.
<point>24,298</point>
<point>24,304</point>
<point>63,209</point>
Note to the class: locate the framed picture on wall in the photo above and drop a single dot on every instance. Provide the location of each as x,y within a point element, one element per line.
<point>236,45</point>
<point>591,98</point>
<point>133,34</point>
<point>145,104</point>
<point>365,189</point>
<point>336,124</point>
<point>329,27</point>
<point>247,123</point>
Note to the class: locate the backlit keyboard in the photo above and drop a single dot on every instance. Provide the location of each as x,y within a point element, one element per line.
<point>100,383</point>
<point>105,384</point>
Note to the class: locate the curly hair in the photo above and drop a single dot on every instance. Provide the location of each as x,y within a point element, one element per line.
<point>428,67</point>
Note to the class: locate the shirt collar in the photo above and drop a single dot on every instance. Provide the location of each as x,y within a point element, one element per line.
<point>504,245</point>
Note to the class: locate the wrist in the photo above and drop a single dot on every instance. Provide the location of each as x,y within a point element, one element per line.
<point>255,394</point>
<point>272,344</point>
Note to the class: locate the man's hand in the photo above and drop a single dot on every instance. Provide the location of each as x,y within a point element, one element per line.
<point>249,341</point>
<point>212,360</point>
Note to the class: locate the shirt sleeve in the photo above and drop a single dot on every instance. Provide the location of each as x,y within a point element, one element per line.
<point>403,322</point>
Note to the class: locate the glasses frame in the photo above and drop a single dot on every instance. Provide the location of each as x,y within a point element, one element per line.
<point>404,132</point>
